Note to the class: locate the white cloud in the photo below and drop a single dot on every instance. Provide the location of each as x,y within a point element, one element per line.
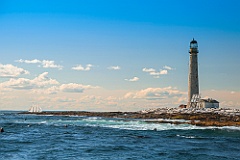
<point>11,71</point>
<point>43,63</point>
<point>74,87</point>
<point>23,83</point>
<point>148,70</point>
<point>50,64</point>
<point>114,68</point>
<point>134,79</point>
<point>49,91</point>
<point>43,80</point>
<point>34,61</point>
<point>167,67</point>
<point>156,74</point>
<point>162,72</point>
<point>78,68</point>
<point>155,93</point>
<point>42,84</point>
<point>67,88</point>
<point>81,68</point>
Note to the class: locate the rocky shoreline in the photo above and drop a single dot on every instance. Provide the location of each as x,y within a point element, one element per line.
<point>199,117</point>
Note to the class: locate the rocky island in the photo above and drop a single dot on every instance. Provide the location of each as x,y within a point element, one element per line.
<point>199,117</point>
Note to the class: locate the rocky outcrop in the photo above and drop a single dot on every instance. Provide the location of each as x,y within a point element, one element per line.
<point>211,117</point>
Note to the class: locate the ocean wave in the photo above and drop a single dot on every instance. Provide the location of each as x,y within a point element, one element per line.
<point>134,124</point>
<point>230,128</point>
<point>117,123</point>
<point>188,137</point>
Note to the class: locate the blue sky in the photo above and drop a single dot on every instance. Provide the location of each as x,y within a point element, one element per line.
<point>116,55</point>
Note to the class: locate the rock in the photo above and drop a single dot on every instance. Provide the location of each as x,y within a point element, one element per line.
<point>201,117</point>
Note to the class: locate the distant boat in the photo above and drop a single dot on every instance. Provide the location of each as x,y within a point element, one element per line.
<point>35,109</point>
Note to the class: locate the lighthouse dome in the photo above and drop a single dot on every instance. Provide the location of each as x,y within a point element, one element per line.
<point>193,41</point>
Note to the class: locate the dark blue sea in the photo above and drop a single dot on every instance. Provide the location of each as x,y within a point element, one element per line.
<point>35,137</point>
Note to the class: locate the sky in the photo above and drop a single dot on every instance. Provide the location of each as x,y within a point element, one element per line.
<point>121,55</point>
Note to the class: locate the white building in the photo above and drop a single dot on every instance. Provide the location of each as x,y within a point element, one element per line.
<point>208,103</point>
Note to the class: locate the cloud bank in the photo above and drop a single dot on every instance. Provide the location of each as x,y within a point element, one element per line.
<point>74,87</point>
<point>40,81</point>
<point>43,84</point>
<point>155,93</point>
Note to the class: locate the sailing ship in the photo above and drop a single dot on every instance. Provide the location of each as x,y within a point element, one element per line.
<point>35,109</point>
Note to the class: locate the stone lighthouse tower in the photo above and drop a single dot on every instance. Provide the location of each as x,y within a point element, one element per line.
<point>193,85</point>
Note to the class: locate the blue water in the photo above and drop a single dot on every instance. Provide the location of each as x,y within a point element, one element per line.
<point>64,137</point>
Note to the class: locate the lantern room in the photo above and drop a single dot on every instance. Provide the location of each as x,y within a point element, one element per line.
<point>193,46</point>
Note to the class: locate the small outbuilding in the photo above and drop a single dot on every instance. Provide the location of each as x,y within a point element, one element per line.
<point>208,103</point>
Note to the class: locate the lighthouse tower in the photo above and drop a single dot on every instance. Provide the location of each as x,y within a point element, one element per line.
<point>193,85</point>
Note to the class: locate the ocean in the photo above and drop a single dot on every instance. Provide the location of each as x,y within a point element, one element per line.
<point>35,137</point>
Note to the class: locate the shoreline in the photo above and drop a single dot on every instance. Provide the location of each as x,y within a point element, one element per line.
<point>199,117</point>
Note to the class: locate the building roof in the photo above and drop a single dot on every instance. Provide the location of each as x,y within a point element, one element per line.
<point>209,100</point>
<point>193,41</point>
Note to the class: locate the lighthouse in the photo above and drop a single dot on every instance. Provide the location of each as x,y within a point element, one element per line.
<point>193,85</point>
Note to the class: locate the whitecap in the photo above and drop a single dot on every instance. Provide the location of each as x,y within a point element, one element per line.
<point>188,137</point>
<point>231,128</point>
